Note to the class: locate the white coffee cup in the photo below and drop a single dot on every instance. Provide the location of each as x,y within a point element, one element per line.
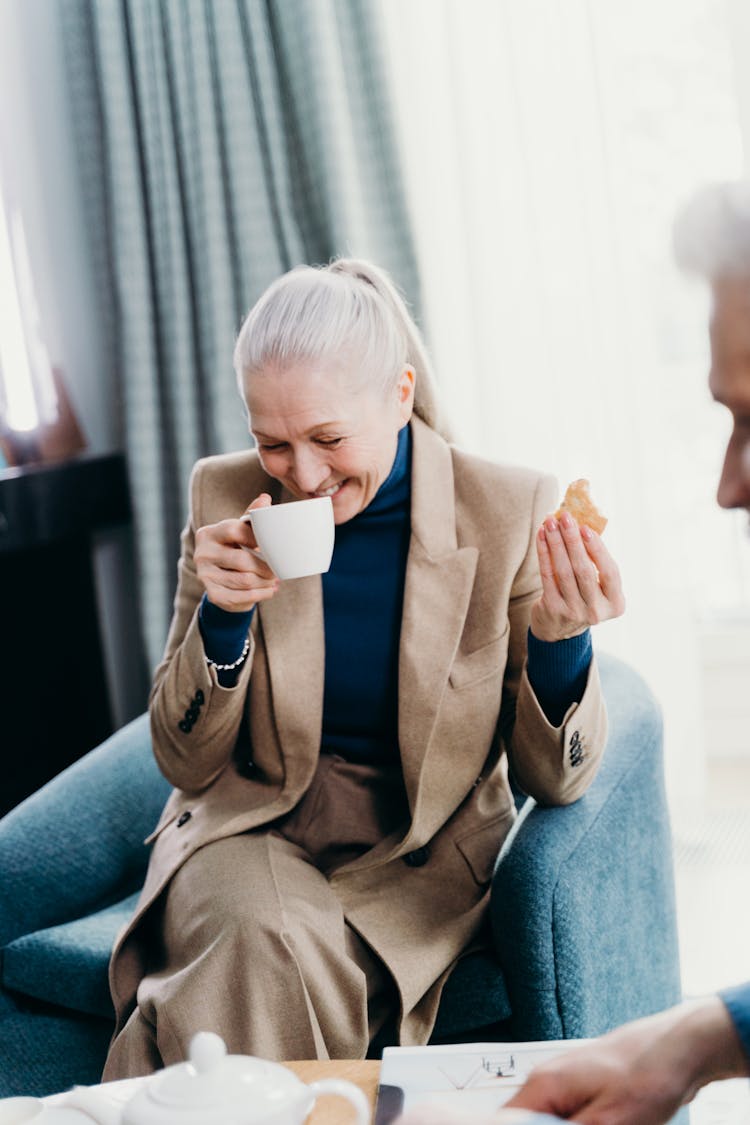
<point>295,539</point>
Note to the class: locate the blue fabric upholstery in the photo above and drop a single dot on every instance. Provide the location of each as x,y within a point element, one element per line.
<point>67,964</point>
<point>77,844</point>
<point>475,995</point>
<point>42,1052</point>
<point>582,904</point>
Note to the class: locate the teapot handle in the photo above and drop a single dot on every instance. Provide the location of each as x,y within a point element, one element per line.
<point>343,1089</point>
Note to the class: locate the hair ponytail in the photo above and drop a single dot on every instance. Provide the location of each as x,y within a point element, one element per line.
<point>426,401</point>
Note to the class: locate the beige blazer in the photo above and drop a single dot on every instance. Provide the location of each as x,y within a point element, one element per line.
<point>466,708</point>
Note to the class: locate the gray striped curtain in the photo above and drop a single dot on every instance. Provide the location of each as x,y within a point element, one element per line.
<point>220,143</point>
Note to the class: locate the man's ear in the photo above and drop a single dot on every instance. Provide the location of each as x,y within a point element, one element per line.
<point>406,393</point>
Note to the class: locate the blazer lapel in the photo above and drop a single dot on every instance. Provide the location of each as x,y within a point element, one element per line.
<point>439,581</point>
<point>294,641</point>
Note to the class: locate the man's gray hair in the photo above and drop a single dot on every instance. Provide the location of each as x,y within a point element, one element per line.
<point>712,231</point>
<point>347,315</point>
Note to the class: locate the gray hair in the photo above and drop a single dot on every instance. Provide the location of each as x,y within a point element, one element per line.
<point>348,312</point>
<point>712,232</point>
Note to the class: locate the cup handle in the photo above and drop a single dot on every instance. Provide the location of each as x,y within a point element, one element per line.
<point>343,1089</point>
<point>256,550</point>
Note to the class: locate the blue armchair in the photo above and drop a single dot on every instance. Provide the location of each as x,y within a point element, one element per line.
<point>582,904</point>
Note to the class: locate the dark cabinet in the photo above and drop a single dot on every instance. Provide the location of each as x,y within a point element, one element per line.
<point>54,703</point>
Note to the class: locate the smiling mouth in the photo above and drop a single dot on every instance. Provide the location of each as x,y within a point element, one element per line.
<point>332,490</point>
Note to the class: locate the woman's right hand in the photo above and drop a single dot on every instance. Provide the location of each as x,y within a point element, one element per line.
<point>234,576</point>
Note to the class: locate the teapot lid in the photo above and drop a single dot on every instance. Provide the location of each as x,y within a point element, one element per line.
<point>212,1079</point>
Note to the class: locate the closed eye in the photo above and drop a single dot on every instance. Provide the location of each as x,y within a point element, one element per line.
<point>274,446</point>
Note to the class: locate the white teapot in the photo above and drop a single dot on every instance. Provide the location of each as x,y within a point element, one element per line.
<point>212,1088</point>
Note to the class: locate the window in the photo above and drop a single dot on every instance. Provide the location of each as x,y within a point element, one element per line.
<point>27,392</point>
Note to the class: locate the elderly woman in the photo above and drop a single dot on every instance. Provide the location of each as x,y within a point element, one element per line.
<point>339,746</point>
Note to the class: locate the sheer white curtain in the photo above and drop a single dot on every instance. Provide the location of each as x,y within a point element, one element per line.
<point>547,146</point>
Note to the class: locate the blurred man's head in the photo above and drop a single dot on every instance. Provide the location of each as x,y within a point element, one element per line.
<point>712,238</point>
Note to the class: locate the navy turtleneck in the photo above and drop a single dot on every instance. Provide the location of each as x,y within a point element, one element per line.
<point>363,594</point>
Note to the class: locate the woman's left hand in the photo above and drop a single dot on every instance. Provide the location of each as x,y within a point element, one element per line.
<point>581,583</point>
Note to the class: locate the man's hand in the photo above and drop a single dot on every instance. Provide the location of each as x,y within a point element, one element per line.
<point>643,1072</point>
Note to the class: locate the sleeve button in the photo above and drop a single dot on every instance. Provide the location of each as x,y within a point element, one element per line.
<point>417,858</point>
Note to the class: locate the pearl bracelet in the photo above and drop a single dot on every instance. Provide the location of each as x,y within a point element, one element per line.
<point>236,663</point>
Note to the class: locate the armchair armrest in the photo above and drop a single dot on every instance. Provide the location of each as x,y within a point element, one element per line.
<point>77,844</point>
<point>582,904</point>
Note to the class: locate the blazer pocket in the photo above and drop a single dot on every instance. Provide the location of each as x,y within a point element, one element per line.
<point>480,663</point>
<point>481,847</point>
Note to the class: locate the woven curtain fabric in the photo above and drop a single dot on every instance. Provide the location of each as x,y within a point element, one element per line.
<point>221,142</point>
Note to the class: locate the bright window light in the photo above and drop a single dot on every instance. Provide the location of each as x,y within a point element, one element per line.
<point>28,394</point>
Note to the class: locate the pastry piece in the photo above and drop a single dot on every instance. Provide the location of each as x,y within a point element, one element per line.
<point>581,507</point>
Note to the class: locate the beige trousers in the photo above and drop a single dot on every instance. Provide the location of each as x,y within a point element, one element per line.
<point>249,940</point>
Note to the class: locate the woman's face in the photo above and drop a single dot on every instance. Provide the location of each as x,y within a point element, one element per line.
<point>321,436</point>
